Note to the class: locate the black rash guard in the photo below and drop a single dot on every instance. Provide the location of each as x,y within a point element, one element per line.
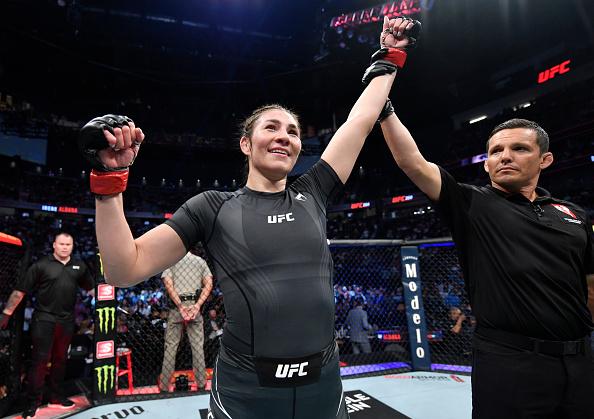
<point>272,260</point>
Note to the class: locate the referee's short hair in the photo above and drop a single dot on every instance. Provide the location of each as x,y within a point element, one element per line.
<point>542,138</point>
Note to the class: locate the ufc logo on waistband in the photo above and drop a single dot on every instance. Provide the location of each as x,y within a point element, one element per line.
<point>274,219</point>
<point>287,370</point>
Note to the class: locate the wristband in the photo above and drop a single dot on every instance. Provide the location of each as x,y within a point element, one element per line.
<point>396,56</point>
<point>108,183</point>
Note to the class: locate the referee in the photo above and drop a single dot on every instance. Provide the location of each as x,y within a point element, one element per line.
<point>525,257</point>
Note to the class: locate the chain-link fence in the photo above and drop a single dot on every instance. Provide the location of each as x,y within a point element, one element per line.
<point>371,324</point>
<point>168,331</point>
<point>12,262</point>
<point>448,314</point>
<point>167,348</point>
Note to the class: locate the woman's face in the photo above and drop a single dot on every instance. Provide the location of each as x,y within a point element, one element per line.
<point>274,146</point>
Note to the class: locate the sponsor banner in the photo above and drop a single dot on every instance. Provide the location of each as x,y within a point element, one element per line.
<point>105,292</point>
<point>104,369</point>
<point>105,377</point>
<point>106,319</point>
<point>421,377</point>
<point>105,349</point>
<point>415,313</point>
<point>124,413</point>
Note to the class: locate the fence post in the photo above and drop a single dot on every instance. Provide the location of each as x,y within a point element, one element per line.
<point>415,314</point>
<point>104,369</point>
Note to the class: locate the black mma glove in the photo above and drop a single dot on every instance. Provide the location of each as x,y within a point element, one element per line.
<point>386,111</point>
<point>104,180</point>
<point>377,68</point>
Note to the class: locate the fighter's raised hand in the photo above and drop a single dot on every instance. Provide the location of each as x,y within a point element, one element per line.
<point>110,144</point>
<point>124,144</point>
<point>401,32</point>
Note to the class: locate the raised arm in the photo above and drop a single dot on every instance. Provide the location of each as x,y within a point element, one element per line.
<point>110,144</point>
<point>422,173</point>
<point>344,148</point>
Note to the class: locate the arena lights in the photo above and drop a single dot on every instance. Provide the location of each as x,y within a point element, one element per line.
<point>168,215</point>
<point>402,198</point>
<point>550,73</point>
<point>376,13</point>
<point>477,119</point>
<point>474,159</point>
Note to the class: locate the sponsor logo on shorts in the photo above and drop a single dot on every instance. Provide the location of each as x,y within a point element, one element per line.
<point>277,219</point>
<point>287,370</point>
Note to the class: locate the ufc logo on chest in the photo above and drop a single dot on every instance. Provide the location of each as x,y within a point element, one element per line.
<point>277,219</point>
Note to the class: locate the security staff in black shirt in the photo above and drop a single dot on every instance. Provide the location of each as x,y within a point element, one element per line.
<point>525,257</point>
<point>54,279</point>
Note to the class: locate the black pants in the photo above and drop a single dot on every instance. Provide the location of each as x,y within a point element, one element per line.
<point>237,394</point>
<point>513,383</point>
<point>50,343</point>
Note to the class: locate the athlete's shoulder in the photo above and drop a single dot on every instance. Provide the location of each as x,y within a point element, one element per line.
<point>211,200</point>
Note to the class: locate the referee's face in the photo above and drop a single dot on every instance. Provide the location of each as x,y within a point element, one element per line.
<point>275,144</point>
<point>514,160</point>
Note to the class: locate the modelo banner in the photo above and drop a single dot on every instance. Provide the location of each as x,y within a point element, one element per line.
<point>415,314</point>
<point>104,369</point>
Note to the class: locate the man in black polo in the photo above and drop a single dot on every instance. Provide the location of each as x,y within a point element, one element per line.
<point>55,279</point>
<point>525,257</point>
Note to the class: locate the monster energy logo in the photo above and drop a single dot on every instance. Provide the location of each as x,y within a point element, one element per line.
<point>104,374</point>
<point>105,315</point>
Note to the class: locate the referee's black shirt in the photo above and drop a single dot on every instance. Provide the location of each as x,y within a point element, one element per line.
<point>525,263</point>
<point>56,285</point>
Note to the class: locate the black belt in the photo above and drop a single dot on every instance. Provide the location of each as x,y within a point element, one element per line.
<point>281,372</point>
<point>541,346</point>
<point>187,298</point>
